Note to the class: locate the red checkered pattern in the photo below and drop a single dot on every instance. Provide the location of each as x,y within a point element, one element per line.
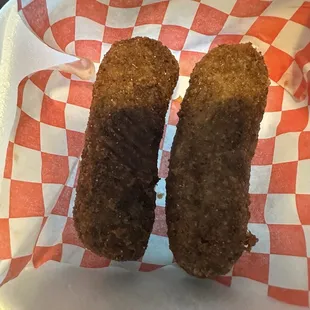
<point>79,27</point>
<point>38,189</point>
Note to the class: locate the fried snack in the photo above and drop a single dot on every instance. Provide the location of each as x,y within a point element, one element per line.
<point>208,182</point>
<point>115,202</point>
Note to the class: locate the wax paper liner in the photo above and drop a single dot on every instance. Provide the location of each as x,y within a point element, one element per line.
<point>38,188</point>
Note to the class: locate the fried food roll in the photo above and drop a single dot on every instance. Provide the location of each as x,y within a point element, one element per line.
<point>115,202</point>
<point>208,182</point>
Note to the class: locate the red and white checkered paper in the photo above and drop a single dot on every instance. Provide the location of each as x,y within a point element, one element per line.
<point>38,188</point>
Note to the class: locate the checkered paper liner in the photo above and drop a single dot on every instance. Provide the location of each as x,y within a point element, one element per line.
<point>38,188</point>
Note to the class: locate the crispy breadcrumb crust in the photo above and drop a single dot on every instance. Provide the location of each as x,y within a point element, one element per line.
<point>115,202</point>
<point>208,182</point>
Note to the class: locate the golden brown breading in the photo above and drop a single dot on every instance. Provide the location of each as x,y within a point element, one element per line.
<point>115,202</point>
<point>208,182</point>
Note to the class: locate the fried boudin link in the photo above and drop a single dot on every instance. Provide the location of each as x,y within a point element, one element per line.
<point>208,182</point>
<point>115,202</point>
